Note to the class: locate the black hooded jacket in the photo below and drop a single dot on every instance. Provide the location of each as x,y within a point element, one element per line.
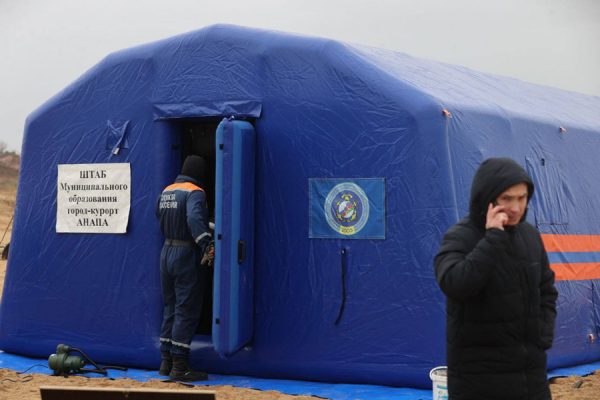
<point>501,299</point>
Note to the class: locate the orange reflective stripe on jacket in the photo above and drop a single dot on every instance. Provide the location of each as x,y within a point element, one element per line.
<point>186,186</point>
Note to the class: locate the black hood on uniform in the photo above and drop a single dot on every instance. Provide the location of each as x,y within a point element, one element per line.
<point>493,177</point>
<point>194,167</point>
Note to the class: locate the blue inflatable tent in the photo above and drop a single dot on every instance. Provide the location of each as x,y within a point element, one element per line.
<point>350,164</point>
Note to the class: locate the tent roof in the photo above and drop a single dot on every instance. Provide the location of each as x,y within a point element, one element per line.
<point>457,89</point>
<point>462,89</point>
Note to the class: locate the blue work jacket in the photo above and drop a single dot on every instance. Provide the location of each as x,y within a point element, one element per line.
<point>182,211</point>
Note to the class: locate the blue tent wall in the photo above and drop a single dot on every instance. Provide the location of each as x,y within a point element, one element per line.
<point>499,116</point>
<point>329,110</point>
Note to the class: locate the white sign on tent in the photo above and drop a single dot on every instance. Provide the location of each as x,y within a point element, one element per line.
<point>93,198</point>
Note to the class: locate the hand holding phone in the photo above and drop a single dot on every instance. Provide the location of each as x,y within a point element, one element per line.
<point>496,216</point>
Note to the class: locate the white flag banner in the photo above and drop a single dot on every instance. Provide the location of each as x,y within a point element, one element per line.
<point>93,198</point>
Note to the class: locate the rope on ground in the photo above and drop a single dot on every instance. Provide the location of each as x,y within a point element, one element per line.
<point>25,379</point>
<point>7,226</point>
<point>33,366</point>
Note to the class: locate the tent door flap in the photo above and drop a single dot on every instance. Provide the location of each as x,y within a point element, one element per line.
<point>233,306</point>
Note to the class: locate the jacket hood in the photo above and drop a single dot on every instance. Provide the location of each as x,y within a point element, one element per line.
<point>194,167</point>
<point>493,177</point>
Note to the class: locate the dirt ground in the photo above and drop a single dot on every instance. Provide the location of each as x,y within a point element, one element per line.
<point>563,388</point>
<point>26,386</point>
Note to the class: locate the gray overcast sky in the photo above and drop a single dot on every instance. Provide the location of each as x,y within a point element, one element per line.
<point>45,45</point>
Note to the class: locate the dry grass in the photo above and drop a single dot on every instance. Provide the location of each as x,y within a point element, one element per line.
<point>8,180</point>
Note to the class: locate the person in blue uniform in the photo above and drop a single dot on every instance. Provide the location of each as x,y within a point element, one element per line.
<point>182,211</point>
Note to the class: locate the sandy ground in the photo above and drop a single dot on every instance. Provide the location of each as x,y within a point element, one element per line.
<point>563,388</point>
<point>26,386</point>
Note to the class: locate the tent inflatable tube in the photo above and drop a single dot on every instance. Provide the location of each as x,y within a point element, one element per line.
<point>326,307</point>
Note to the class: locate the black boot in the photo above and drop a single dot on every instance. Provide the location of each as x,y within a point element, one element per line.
<point>182,372</point>
<point>167,364</point>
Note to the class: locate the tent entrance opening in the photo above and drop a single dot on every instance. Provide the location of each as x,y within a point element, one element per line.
<point>198,138</point>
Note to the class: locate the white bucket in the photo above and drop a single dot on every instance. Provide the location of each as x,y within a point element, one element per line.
<point>439,376</point>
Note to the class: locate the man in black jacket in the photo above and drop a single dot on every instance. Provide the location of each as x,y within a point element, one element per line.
<point>500,294</point>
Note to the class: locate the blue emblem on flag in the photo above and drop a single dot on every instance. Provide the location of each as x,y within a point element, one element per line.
<point>347,208</point>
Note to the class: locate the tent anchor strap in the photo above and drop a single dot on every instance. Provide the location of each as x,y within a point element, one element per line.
<point>343,288</point>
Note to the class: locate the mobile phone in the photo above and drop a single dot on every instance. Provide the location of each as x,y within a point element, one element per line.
<point>495,204</point>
